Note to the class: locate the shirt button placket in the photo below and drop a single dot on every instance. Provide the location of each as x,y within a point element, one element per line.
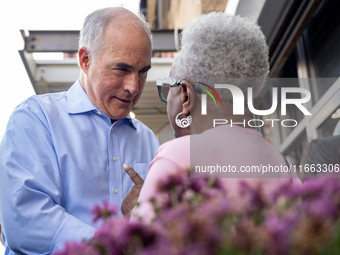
<point>115,161</point>
<point>115,190</point>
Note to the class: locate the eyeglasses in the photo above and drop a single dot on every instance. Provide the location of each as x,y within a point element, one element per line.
<point>164,85</point>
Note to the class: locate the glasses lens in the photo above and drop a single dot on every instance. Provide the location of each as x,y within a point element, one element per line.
<point>165,93</point>
<point>164,86</point>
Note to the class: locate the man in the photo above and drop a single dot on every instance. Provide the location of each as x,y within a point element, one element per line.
<point>64,152</point>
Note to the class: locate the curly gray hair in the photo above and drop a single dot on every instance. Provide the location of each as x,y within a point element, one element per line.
<point>92,33</point>
<point>217,47</point>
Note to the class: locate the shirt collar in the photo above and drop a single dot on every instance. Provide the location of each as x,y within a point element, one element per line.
<point>131,121</point>
<point>79,102</point>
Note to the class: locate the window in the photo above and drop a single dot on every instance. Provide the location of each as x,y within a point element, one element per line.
<point>321,39</point>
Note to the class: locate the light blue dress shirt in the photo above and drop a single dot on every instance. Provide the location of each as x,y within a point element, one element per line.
<point>59,157</point>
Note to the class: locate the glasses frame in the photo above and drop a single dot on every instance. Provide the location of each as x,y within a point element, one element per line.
<point>174,82</point>
<point>167,82</point>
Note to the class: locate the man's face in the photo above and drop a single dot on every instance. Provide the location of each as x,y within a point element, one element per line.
<point>116,78</point>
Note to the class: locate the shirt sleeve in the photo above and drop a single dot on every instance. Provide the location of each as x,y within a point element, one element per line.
<point>159,168</point>
<point>171,157</point>
<point>34,222</point>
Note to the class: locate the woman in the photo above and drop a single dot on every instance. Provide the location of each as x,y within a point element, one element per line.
<point>216,49</point>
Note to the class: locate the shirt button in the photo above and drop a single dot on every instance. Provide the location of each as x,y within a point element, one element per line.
<point>112,129</point>
<point>116,191</point>
<point>99,112</point>
<point>114,158</point>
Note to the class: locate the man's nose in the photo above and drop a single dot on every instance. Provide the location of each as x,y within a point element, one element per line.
<point>131,83</point>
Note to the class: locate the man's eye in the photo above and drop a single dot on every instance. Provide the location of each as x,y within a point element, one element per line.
<point>143,72</point>
<point>121,70</point>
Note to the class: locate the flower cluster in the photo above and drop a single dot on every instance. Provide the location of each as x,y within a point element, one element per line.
<point>201,216</point>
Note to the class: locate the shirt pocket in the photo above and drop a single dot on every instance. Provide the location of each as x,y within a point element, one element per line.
<point>141,169</point>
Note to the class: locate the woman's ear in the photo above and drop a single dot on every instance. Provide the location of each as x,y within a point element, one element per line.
<point>84,59</point>
<point>187,97</point>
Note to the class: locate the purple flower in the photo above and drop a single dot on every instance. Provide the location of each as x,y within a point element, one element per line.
<point>106,236</point>
<point>315,188</point>
<point>198,216</point>
<point>118,235</point>
<point>172,213</point>
<point>286,189</point>
<point>253,194</point>
<point>104,212</point>
<point>171,189</point>
<point>201,185</point>
<point>244,236</point>
<point>278,233</point>
<point>197,184</point>
<point>145,234</point>
<point>324,207</point>
<point>198,249</point>
<point>163,247</point>
<point>169,182</point>
<point>186,226</point>
<point>219,207</point>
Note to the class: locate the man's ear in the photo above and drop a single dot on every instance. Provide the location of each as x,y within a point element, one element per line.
<point>84,59</point>
<point>187,97</point>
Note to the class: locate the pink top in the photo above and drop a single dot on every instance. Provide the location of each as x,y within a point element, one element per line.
<point>235,145</point>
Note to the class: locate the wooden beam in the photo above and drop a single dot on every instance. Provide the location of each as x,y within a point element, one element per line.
<point>151,12</point>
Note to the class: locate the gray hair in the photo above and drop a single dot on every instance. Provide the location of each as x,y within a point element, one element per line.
<point>92,33</point>
<point>220,48</point>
